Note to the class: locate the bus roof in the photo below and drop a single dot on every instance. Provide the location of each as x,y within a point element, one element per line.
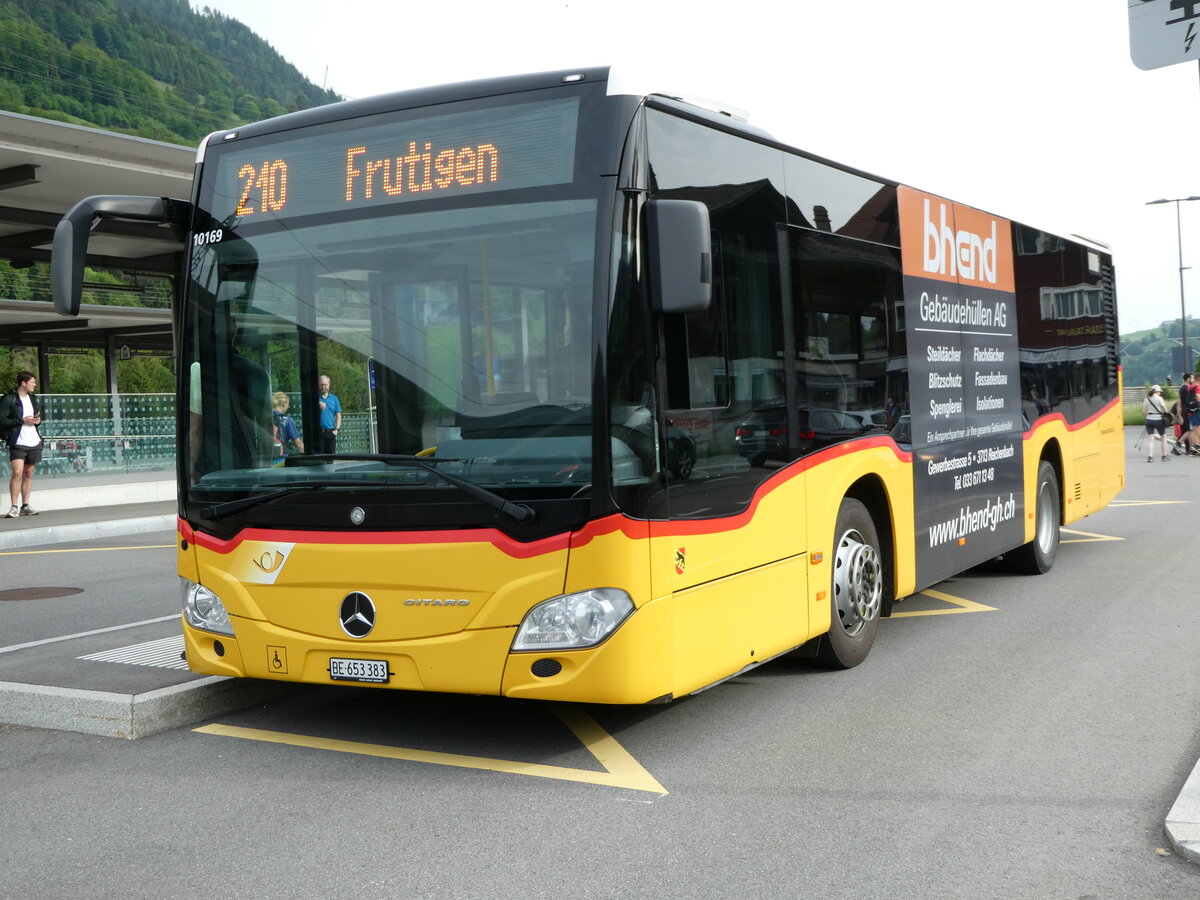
<point>410,99</point>
<point>716,114</point>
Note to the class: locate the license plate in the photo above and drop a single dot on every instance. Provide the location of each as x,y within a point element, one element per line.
<point>373,670</point>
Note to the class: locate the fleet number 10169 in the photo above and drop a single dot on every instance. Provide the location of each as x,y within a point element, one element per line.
<point>203,238</point>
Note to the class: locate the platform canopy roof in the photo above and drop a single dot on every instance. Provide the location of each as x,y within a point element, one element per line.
<point>45,168</point>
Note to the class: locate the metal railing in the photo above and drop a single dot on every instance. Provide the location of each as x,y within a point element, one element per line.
<point>106,433</point>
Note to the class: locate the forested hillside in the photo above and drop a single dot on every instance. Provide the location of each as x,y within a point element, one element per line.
<point>1155,355</point>
<point>155,68</point>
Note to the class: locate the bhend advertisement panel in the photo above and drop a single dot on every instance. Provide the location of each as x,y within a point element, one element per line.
<point>961,315</point>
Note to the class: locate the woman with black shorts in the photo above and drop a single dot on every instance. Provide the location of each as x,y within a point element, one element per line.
<point>1154,407</point>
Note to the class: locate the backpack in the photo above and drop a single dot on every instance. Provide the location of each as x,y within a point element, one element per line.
<point>279,420</point>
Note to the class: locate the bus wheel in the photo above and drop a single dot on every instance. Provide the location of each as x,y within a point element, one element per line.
<point>1038,555</point>
<point>857,588</point>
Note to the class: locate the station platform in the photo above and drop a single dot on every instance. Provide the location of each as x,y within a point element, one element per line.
<point>53,680</point>
<point>54,683</point>
<point>85,506</point>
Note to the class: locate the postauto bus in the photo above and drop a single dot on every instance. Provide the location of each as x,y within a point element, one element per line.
<point>553,312</point>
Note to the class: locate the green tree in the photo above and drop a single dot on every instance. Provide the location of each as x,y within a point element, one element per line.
<point>81,373</point>
<point>247,108</point>
<point>142,66</point>
<point>270,108</point>
<point>145,375</point>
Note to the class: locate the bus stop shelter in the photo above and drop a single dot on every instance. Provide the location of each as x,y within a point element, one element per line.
<point>45,168</point>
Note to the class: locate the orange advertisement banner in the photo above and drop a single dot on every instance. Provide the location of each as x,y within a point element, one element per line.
<point>947,241</point>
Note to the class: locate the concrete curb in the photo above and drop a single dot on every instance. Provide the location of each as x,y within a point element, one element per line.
<point>48,498</point>
<point>131,716</point>
<point>1183,821</point>
<point>83,531</point>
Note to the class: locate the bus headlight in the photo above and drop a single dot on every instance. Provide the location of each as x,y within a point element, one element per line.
<point>203,609</point>
<point>573,621</point>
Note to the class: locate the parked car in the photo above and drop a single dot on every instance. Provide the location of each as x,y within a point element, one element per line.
<point>871,419</point>
<point>681,451</point>
<point>637,433</point>
<point>763,435</point>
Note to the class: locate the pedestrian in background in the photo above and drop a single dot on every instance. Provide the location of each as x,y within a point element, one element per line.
<point>20,416</point>
<point>1189,414</point>
<point>287,435</point>
<point>1154,407</point>
<point>331,416</point>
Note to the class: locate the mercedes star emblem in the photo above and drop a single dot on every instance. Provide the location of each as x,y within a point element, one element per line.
<point>357,614</point>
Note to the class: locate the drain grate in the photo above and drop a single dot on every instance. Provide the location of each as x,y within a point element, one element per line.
<point>38,593</point>
<point>162,654</point>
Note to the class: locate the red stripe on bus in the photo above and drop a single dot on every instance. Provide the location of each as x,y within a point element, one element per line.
<point>634,529</point>
<point>492,536</point>
<point>682,527</point>
<point>1078,426</point>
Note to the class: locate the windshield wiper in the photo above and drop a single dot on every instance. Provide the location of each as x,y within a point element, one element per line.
<point>224,510</point>
<point>518,512</point>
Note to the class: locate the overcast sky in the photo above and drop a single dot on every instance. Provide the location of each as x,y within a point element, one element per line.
<point>1030,109</point>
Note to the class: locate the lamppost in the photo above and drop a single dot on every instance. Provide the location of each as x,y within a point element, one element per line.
<point>1182,305</point>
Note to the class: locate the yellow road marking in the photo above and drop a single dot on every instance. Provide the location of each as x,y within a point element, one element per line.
<point>620,769</point>
<point>608,752</point>
<point>88,550</point>
<point>1146,502</point>
<point>1088,537</point>
<point>961,606</point>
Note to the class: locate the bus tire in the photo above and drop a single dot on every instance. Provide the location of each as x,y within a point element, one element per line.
<point>856,589</point>
<point>1037,556</point>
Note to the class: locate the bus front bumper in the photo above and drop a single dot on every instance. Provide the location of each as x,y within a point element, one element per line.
<point>632,667</point>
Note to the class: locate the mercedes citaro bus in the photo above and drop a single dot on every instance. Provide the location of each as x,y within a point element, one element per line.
<point>556,314</point>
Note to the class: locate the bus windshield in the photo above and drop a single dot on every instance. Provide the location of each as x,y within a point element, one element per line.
<point>456,335</point>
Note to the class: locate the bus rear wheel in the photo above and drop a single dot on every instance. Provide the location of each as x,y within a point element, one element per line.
<point>857,586</point>
<point>1037,556</point>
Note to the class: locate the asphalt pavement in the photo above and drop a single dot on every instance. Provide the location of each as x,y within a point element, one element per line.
<point>49,682</point>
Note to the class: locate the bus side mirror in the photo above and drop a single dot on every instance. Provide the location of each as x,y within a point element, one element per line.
<point>71,237</point>
<point>680,249</point>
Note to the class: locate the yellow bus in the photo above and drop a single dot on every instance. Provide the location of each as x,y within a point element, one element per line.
<point>633,397</point>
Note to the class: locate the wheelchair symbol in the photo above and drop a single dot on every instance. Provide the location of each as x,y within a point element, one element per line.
<point>277,660</point>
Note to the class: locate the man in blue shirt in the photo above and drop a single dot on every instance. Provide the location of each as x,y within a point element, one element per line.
<point>331,416</point>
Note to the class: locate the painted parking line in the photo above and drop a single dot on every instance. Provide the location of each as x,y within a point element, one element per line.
<point>1146,502</point>
<point>1087,537</point>
<point>621,770</point>
<point>83,634</point>
<point>958,605</point>
<point>961,605</point>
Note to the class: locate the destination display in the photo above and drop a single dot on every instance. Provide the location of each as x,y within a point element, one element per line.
<point>395,159</point>
<point>964,362</point>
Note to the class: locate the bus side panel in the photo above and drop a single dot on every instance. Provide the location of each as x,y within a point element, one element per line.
<point>1092,456</point>
<point>1099,455</point>
<point>737,585</point>
<point>729,624</point>
<point>763,588</point>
